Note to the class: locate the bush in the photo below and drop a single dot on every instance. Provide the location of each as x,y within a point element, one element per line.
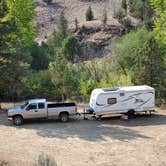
<point>47,1</point>
<point>3,163</point>
<point>45,160</point>
<point>127,23</point>
<point>89,14</point>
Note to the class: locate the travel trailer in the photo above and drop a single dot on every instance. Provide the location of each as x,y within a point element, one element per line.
<point>126,100</point>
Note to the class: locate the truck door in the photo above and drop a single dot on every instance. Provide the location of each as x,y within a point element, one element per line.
<point>31,111</point>
<point>42,110</point>
<point>36,110</point>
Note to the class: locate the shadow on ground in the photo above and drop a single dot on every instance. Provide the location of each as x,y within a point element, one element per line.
<point>92,130</point>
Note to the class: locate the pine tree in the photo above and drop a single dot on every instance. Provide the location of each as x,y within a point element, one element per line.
<point>76,24</point>
<point>89,14</point>
<point>62,26</point>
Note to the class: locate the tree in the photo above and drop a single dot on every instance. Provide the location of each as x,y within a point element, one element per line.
<point>56,38</point>
<point>71,49</point>
<point>16,30</point>
<point>40,56</point>
<point>64,77</point>
<point>3,8</point>
<point>89,14</point>
<point>143,57</point>
<point>124,5</point>
<point>160,23</point>
<point>150,68</point>
<point>104,17</point>
<point>76,24</point>
<point>140,9</point>
<point>62,26</point>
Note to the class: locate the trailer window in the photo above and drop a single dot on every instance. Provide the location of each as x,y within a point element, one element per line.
<point>111,100</point>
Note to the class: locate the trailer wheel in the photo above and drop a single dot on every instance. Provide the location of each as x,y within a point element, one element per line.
<point>17,120</point>
<point>64,117</point>
<point>131,114</point>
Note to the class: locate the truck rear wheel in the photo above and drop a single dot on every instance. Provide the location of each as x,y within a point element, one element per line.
<point>64,117</point>
<point>17,120</point>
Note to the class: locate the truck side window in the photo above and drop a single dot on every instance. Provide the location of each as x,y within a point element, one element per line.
<point>41,105</point>
<point>111,100</point>
<point>32,107</point>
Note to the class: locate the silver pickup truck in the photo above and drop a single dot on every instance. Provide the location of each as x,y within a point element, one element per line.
<point>40,109</point>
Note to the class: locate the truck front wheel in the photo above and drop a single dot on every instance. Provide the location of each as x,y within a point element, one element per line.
<point>64,117</point>
<point>17,120</point>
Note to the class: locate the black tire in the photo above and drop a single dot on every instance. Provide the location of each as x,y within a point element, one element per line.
<point>17,120</point>
<point>131,114</point>
<point>64,117</point>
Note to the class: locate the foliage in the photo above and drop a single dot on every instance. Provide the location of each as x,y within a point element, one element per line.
<point>38,84</point>
<point>45,160</point>
<point>124,5</point>
<point>126,51</point>
<point>64,77</point>
<point>56,38</point>
<point>89,14</point>
<point>160,23</point>
<point>22,12</point>
<point>40,56</point>
<point>62,26</point>
<point>16,30</point>
<point>140,9</point>
<point>3,8</point>
<point>150,68</point>
<point>71,49</point>
<point>96,75</point>
<point>143,57</point>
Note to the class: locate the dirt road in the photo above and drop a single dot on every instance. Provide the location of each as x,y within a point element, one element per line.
<point>109,142</point>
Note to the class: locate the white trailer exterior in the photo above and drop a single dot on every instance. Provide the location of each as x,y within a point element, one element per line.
<point>122,100</point>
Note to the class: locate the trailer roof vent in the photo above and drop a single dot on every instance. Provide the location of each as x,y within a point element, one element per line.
<point>110,89</point>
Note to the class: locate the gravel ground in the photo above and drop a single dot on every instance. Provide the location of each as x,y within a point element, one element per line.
<point>108,142</point>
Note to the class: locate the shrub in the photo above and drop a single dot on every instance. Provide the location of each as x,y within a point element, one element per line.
<point>89,14</point>
<point>127,23</point>
<point>45,160</point>
<point>3,163</point>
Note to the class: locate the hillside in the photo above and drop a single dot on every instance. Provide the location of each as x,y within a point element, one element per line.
<point>47,15</point>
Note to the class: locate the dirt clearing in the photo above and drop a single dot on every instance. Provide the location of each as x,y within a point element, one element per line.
<point>108,142</point>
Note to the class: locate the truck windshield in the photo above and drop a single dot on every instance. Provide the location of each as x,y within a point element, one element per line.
<point>24,105</point>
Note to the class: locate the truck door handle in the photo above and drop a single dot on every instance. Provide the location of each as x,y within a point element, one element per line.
<point>35,110</point>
